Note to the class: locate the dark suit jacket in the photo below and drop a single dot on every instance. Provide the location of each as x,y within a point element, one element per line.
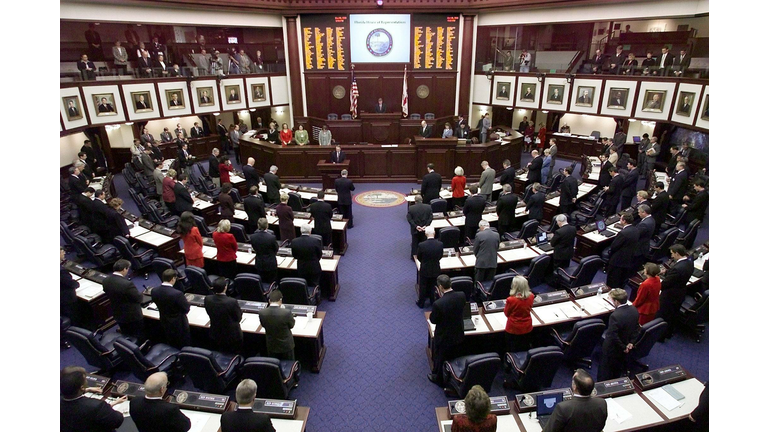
<point>430,186</point>
<point>562,242</point>
<point>242,420</point>
<point>76,185</point>
<point>254,208</point>
<point>678,186</point>
<point>226,206</point>
<point>213,166</point>
<point>486,246</point>
<point>124,297</point>
<point>507,177</point>
<point>645,229</point>
<point>87,215</point>
<point>614,193</point>
<point>425,132</point>
<point>473,212</point>
<point>429,253</point>
<point>285,221</point>
<point>173,307</point>
<point>338,158</point>
<point>116,226</point>
<point>569,189</point>
<point>265,247</point>
<point>87,414</point>
<point>605,178</point>
<point>273,187</point>
<point>251,176</point>
<point>505,208</point>
<point>381,108</point>
<point>673,287</point>
<point>698,206</point>
<point>277,323</point>
<point>307,250</point>
<point>668,61</point>
<point>99,217</point>
<point>579,415</point>
<point>419,215</point>
<point>155,415</point>
<point>68,287</point>
<point>660,207</point>
<point>183,163</point>
<point>183,198</point>
<point>321,212</point>
<point>623,247</point>
<point>225,315</point>
<point>629,188</point>
<point>534,170</point>
<point>622,329</point>
<point>447,316</point>
<point>535,206</point>
<point>344,188</point>
<point>197,132</point>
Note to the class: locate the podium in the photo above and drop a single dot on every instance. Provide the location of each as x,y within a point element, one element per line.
<point>331,171</point>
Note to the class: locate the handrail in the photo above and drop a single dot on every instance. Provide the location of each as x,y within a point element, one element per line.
<point>576,58</point>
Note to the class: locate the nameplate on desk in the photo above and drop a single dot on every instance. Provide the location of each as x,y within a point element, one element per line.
<point>662,376</point>
<point>613,388</point>
<point>163,230</point>
<point>553,195</point>
<point>438,216</point>
<point>473,308</point>
<point>200,401</point>
<point>309,189</point>
<point>389,145</point>
<point>289,186</point>
<point>612,219</point>
<point>511,244</point>
<point>327,254</point>
<point>208,241</point>
<point>587,290</point>
<point>698,273</point>
<point>499,406</point>
<point>128,215</point>
<point>284,252</point>
<point>275,408</point>
<point>96,276</point>
<point>527,401</point>
<point>588,228</point>
<point>489,209</point>
<point>146,224</point>
<point>494,306</point>
<point>204,197</point>
<point>75,268</point>
<point>251,306</point>
<point>302,215</point>
<point>129,389</point>
<point>455,213</point>
<point>96,381</point>
<point>301,310</point>
<point>195,299</point>
<point>243,247</point>
<point>449,252</point>
<point>618,226</point>
<point>337,217</point>
<point>521,171</point>
<point>551,297</point>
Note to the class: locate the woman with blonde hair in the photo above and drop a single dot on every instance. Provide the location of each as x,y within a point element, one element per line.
<point>478,417</point>
<point>458,183</point>
<point>518,312</point>
<point>226,249</point>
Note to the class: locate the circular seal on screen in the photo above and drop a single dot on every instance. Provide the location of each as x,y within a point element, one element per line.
<point>460,407</point>
<point>190,297</point>
<point>527,401</point>
<point>122,388</point>
<point>422,91</point>
<point>380,198</point>
<point>182,397</point>
<point>339,92</point>
<point>594,392</point>
<point>379,42</point>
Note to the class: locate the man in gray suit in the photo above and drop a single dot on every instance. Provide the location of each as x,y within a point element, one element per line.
<point>278,322</point>
<point>485,126</point>
<point>146,162</point>
<point>650,155</point>
<point>486,180</point>
<point>552,154</point>
<point>486,246</point>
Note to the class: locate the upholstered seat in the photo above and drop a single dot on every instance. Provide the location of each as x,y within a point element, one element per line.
<point>274,378</point>
<point>296,291</point>
<point>460,374</point>
<point>159,358</point>
<point>97,348</point>
<point>498,289</point>
<point>581,273</point>
<point>534,369</point>
<point>579,342</point>
<point>210,371</point>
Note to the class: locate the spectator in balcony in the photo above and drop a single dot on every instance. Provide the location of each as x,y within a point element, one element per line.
<point>245,61</point>
<point>217,64</point>
<point>141,49</point>
<point>629,66</point>
<point>649,64</point>
<point>617,60</point>
<point>258,62</point>
<point>86,68</point>
<point>598,62</point>
<point>94,42</point>
<point>120,55</point>
<point>203,61</point>
<point>447,130</point>
<point>162,66</point>
<point>665,61</point>
<point>145,64</point>
<point>525,61</point>
<point>175,71</point>
<point>286,135</point>
<point>301,136</point>
<point>156,48</point>
<point>132,39</point>
<point>682,62</point>
<point>234,65</point>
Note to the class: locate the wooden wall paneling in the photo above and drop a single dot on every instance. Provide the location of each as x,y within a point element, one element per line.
<point>376,162</point>
<point>402,164</point>
<point>294,65</point>
<point>319,95</point>
<point>443,95</point>
<point>467,48</point>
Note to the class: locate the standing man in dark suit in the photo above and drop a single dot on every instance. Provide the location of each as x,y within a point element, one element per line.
<point>619,139</point>
<point>183,157</point>
<point>505,208</point>
<point>380,106</point>
<point>645,229</point>
<point>582,412</point>
<point>619,337</point>
<point>338,156</point>
<point>173,307</point>
<point>604,177</point>
<point>251,176</point>
<point>125,300</point>
<point>629,187</point>
<point>278,322</point>
<point>681,62</point>
<point>76,183</point>
<point>225,315</point>
<point>700,202</point>
<point>431,184</point>
<point>308,250</point>
<point>535,203</point>
<point>461,121</point>
<point>534,168</point>
<point>322,213</point>
<point>419,218</point>
<point>151,413</point>
<point>273,185</point>
<point>344,188</point>
<point>678,185</point>
<point>91,155</point>
<point>673,286</point>
<point>223,136</point>
<point>507,174</point>
<point>569,190</point>
<point>562,242</point>
<point>486,248</point>
<point>243,418</point>
<point>265,247</point>
<point>197,131</point>
<point>664,61</point>
<point>672,164</point>
<point>79,413</point>
<point>213,167</point>
<point>660,205</point>
<point>428,253</point>
<point>253,204</point>
<point>621,257</point>
<point>612,192</point>
<point>184,200</point>
<point>425,130</point>
<point>473,212</point>
<point>447,316</point>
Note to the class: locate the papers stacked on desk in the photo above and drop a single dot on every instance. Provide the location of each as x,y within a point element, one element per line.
<point>89,289</point>
<point>595,305</point>
<point>137,230</point>
<point>617,412</point>
<point>666,400</point>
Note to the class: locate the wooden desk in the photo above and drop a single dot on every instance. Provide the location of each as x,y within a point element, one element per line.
<point>591,243</point>
<point>331,171</point>
<point>93,307</point>
<point>166,246</point>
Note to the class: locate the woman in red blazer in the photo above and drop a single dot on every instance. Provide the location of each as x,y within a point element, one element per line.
<point>286,135</point>
<point>542,135</point>
<point>225,167</point>
<point>518,313</point>
<point>478,417</point>
<point>193,241</point>
<point>226,249</point>
<point>169,198</point>
<point>458,183</point>
<point>647,300</point>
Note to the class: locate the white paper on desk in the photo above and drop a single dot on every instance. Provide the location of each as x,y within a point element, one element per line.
<point>569,310</point>
<point>616,412</point>
<point>198,420</point>
<point>123,408</point>
<point>662,397</point>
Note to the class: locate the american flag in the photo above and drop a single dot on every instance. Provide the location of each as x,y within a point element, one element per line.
<point>353,95</point>
<point>405,91</point>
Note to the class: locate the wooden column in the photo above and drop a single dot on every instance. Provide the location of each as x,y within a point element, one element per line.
<point>467,68</point>
<point>294,66</point>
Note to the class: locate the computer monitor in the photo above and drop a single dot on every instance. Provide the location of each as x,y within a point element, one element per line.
<point>545,403</point>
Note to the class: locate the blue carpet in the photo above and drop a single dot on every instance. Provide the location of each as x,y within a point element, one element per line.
<point>374,376</point>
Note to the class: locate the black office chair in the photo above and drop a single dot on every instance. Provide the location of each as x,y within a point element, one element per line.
<point>97,348</point>
<point>103,256</point>
<point>140,258</point>
<point>235,194</point>
<point>650,333</point>
<point>205,230</point>
<point>551,228</point>
<point>415,116</point>
<point>249,287</point>
<point>588,214</point>
<point>499,289</point>
<point>529,229</point>
<point>69,238</point>
<point>199,281</point>
<point>688,236</point>
<point>296,291</point>
<point>534,369</point>
<point>274,378</point>
<point>694,314</point>
<point>675,217</point>
<point>210,371</point>
<point>346,116</point>
<point>579,342</point>
<point>158,217</point>
<point>294,201</point>
<point>333,117</point>
<point>464,284</point>
<point>527,192</point>
<point>536,271</point>
<point>238,230</point>
<point>64,324</point>
<point>160,264</point>
<point>429,116</point>
<point>553,183</point>
<point>461,374</point>
<point>159,358</point>
<point>580,274</point>
<point>439,205</point>
<point>450,237</point>
<point>660,244</point>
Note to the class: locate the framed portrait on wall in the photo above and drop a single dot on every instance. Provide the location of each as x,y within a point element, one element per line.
<point>654,100</point>
<point>205,96</point>
<point>233,93</point>
<point>528,92</point>
<point>705,109</point>
<point>175,99</point>
<point>502,91</point>
<point>555,94</point>
<point>74,107</point>
<point>617,98</point>
<point>142,101</point>
<point>685,103</point>
<point>257,93</point>
<point>586,96</point>
<point>105,104</point>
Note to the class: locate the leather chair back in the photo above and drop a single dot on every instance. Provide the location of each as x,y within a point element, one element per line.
<point>687,237</point>
<point>528,229</point>
<point>202,227</point>
<point>159,265</point>
<point>650,333</point>
<point>583,338</point>
<point>90,346</point>
<point>294,201</point>
<point>333,116</point>
<point>415,116</point>
<point>464,284</point>
<point>248,285</point>
<point>463,373</point>
<point>450,237</point>
<point>346,116</point>
<point>538,270</point>
<point>587,270</point>
<point>539,368</point>
<point>199,281</point>
<point>200,364</point>
<point>501,285</point>
<point>134,358</point>
<point>527,192</point>
<point>235,194</point>
<point>429,116</point>
<point>269,374</point>
<point>127,251</point>
<point>660,246</point>
<point>238,230</point>
<point>556,181</point>
<point>296,291</point>
<point>104,256</point>
<point>439,205</point>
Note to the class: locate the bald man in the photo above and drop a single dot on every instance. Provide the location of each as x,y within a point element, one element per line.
<point>152,414</point>
<point>251,176</point>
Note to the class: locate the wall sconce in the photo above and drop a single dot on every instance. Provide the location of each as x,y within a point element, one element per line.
<point>379,3</point>
<point>216,114</point>
<point>489,75</point>
<point>540,76</point>
<point>569,78</point>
